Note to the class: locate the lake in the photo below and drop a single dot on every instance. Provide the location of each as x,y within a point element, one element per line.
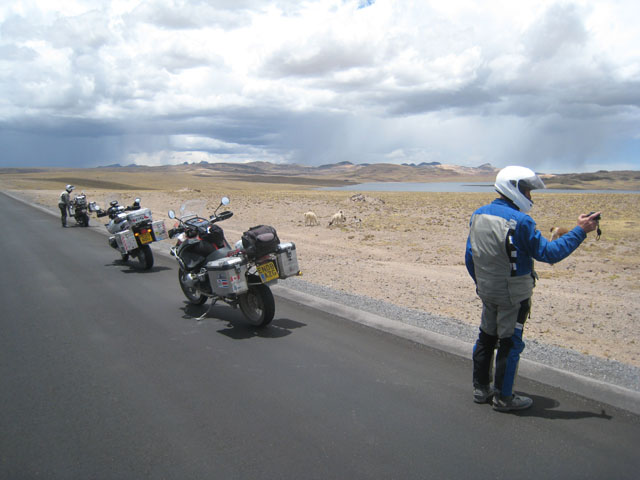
<point>453,187</point>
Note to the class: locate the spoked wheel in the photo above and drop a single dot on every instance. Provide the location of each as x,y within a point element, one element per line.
<point>258,305</point>
<point>145,257</point>
<point>191,293</point>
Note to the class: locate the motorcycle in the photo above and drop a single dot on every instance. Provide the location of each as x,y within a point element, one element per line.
<point>241,275</point>
<point>79,210</point>
<point>133,230</point>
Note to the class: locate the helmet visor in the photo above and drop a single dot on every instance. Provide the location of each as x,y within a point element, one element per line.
<point>530,183</point>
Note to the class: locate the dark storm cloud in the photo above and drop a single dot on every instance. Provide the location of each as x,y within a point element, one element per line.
<point>560,29</point>
<point>43,149</point>
<point>411,103</point>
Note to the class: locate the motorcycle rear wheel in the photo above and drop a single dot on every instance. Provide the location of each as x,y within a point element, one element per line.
<point>145,257</point>
<point>258,305</point>
<point>191,293</point>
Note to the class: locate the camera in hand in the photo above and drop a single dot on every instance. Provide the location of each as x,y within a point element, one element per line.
<point>598,231</point>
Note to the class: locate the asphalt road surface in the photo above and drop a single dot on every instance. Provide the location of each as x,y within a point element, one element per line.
<point>106,373</point>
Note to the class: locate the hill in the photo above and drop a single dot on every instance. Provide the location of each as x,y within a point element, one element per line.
<point>600,180</point>
<point>343,173</point>
<point>338,174</point>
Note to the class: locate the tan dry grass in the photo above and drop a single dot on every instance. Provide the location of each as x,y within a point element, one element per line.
<point>408,248</point>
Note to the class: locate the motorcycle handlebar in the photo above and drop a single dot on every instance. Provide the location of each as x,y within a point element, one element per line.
<point>218,217</point>
<point>175,231</point>
<point>191,231</point>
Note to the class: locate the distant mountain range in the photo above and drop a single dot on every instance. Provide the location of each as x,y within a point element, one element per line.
<point>342,172</point>
<point>346,173</point>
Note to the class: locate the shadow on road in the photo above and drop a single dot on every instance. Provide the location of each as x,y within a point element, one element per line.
<point>131,268</point>
<point>237,326</point>
<point>278,328</point>
<point>544,407</point>
<point>153,269</point>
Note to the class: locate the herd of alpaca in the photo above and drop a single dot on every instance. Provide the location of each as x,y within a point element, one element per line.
<point>311,219</point>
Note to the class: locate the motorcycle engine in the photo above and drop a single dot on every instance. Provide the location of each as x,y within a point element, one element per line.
<point>190,280</point>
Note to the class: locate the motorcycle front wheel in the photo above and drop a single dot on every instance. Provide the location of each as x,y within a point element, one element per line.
<point>191,293</point>
<point>145,257</point>
<point>258,305</point>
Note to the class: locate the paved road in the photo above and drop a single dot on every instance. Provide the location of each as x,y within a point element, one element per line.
<point>105,373</point>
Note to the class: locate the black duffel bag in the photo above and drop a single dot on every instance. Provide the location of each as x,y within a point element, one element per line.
<point>214,234</point>
<point>260,240</point>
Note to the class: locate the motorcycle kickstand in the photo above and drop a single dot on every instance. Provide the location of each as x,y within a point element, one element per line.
<point>205,314</point>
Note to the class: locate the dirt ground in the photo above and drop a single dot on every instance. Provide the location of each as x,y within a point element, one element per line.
<point>408,249</point>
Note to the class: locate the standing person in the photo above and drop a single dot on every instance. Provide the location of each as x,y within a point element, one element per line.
<point>64,202</point>
<point>502,244</point>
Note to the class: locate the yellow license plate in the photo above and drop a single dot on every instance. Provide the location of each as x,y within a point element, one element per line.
<point>267,272</point>
<point>145,238</point>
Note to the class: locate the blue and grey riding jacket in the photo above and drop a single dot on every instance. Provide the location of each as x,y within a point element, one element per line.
<point>502,244</point>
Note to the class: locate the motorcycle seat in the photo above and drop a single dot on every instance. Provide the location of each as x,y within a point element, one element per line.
<point>195,253</point>
<point>217,254</point>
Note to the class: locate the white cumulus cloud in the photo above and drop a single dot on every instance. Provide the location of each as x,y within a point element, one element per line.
<point>549,84</point>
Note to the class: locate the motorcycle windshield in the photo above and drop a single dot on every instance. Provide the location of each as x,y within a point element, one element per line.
<point>193,208</point>
<point>110,197</point>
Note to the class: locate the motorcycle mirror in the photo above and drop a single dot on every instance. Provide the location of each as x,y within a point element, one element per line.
<point>172,214</point>
<point>223,201</point>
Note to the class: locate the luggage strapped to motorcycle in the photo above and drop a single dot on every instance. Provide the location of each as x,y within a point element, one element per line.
<point>260,240</point>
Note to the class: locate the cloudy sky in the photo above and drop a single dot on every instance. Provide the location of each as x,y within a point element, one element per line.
<point>554,85</point>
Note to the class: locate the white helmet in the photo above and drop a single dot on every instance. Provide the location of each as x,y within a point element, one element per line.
<point>512,181</point>
<point>69,188</point>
